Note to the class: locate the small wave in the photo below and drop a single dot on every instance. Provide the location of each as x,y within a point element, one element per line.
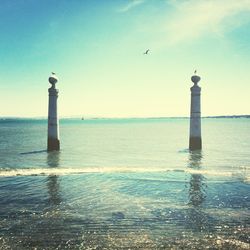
<point>243,175</point>
<point>185,150</point>
<point>34,152</point>
<point>68,171</point>
<point>45,171</point>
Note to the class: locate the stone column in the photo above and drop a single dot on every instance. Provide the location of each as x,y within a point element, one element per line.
<point>195,115</point>
<point>53,125</point>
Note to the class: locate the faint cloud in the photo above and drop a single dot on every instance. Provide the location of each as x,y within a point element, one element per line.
<point>130,5</point>
<point>193,19</point>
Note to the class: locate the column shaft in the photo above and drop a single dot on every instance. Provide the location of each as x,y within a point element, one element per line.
<point>195,119</point>
<point>53,124</point>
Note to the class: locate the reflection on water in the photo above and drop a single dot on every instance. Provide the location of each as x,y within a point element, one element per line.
<point>54,190</point>
<point>53,160</point>
<point>197,219</point>
<point>197,190</point>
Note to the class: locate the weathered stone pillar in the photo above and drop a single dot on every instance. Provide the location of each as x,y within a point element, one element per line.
<point>195,115</point>
<point>53,124</point>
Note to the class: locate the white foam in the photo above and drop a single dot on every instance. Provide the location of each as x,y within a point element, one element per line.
<point>240,173</point>
<point>69,171</point>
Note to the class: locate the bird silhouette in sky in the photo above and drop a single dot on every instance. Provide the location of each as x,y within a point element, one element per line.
<point>146,52</point>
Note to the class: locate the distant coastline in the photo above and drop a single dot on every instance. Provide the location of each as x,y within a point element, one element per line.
<point>228,116</point>
<point>124,118</point>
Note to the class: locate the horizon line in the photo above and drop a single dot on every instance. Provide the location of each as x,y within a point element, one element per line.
<point>124,117</point>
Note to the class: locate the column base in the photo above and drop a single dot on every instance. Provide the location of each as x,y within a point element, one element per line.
<point>195,143</point>
<point>53,144</point>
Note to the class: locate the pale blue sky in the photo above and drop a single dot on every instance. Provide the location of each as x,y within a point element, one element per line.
<point>96,48</point>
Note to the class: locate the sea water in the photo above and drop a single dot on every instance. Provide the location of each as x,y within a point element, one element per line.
<point>125,184</point>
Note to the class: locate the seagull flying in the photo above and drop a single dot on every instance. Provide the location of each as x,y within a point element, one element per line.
<point>146,52</point>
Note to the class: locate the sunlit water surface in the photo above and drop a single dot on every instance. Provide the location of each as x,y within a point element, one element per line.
<point>125,184</point>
